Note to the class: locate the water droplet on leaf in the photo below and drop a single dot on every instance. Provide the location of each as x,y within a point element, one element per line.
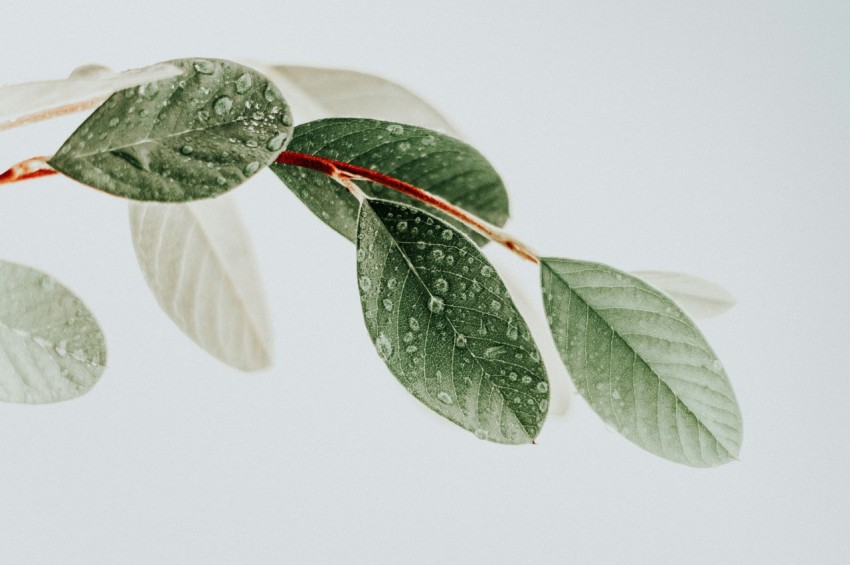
<point>223,105</point>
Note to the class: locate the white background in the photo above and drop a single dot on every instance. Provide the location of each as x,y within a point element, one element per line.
<point>706,137</point>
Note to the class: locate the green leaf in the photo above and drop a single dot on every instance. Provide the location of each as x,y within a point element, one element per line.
<point>641,363</point>
<point>432,161</point>
<point>188,137</point>
<point>51,347</point>
<point>445,325</point>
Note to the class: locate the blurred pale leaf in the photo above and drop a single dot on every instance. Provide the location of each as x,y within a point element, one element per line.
<point>698,297</point>
<point>51,347</point>
<point>198,260</point>
<point>87,86</point>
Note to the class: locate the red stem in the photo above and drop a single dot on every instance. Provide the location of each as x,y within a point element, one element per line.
<point>341,170</point>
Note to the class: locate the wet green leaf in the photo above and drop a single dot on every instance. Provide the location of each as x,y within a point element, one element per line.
<point>51,347</point>
<point>444,323</point>
<point>437,163</point>
<point>641,363</point>
<point>183,138</point>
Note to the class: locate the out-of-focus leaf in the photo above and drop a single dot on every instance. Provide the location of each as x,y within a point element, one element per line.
<point>198,261</point>
<point>698,297</point>
<point>315,93</point>
<point>87,87</point>
<point>51,347</point>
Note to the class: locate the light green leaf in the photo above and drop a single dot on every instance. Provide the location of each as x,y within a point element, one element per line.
<point>698,297</point>
<point>184,138</point>
<point>198,261</point>
<point>432,161</point>
<point>445,325</point>
<point>51,347</point>
<point>316,93</point>
<point>641,363</point>
<point>89,85</point>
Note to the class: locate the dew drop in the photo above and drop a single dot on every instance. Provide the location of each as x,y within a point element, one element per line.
<point>361,255</point>
<point>186,150</point>
<point>384,346</point>
<point>436,305</point>
<point>447,235</point>
<point>365,283</point>
<point>404,146</point>
<point>441,286</point>
<point>414,324</point>
<point>244,83</point>
<point>91,72</point>
<point>251,143</point>
<point>222,105</point>
<point>512,333</point>
<point>411,349</point>
<point>717,365</point>
<point>204,67</point>
<point>276,143</point>
<point>486,271</point>
<point>251,168</point>
<point>495,305</point>
<point>392,283</point>
<point>286,119</point>
<point>401,226</point>
<point>526,379</point>
<point>437,254</point>
<point>481,433</point>
<point>395,129</point>
<point>408,337</point>
<point>615,394</point>
<point>542,387</point>
<point>512,376</point>
<point>269,94</point>
<point>388,305</point>
<point>429,140</point>
<point>460,341</point>
<point>113,122</point>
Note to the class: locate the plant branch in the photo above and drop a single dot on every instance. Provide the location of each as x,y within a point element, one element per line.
<point>340,170</point>
<point>29,169</point>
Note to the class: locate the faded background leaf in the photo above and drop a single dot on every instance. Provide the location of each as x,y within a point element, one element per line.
<point>698,297</point>
<point>86,87</point>
<point>51,347</point>
<point>316,93</point>
<point>198,261</point>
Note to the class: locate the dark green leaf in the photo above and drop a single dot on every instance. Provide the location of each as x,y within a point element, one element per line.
<point>437,163</point>
<point>51,347</point>
<point>445,325</point>
<point>188,137</point>
<point>641,363</point>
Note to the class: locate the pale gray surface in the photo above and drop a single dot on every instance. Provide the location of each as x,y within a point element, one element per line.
<point>710,138</point>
